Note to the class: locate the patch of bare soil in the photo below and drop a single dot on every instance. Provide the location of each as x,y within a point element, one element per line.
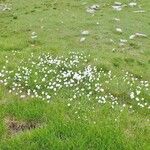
<point>15,126</point>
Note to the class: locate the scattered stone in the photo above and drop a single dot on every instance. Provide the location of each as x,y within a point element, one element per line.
<point>117,6</point>
<point>117,3</point>
<point>137,35</point>
<point>92,9</point>
<point>140,35</point>
<point>5,7</point>
<point>123,41</point>
<point>86,32</point>
<point>33,35</point>
<point>132,36</point>
<point>132,4</point>
<point>119,30</point>
<point>82,39</point>
<point>116,19</point>
<point>139,11</point>
<point>95,7</point>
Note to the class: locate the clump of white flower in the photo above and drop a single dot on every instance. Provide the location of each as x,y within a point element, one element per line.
<point>132,96</point>
<point>45,77</point>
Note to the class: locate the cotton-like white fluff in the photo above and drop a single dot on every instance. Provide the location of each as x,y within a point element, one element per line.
<point>77,76</point>
<point>132,96</point>
<point>138,92</point>
<point>51,74</point>
<point>87,71</point>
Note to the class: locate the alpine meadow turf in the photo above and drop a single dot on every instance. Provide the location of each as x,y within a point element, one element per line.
<point>74,74</point>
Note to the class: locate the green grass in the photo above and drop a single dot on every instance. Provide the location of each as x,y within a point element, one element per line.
<point>58,25</point>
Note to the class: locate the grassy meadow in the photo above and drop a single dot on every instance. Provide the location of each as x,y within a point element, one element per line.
<point>74,80</point>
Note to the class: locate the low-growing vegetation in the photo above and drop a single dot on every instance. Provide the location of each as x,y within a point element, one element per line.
<point>74,75</point>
